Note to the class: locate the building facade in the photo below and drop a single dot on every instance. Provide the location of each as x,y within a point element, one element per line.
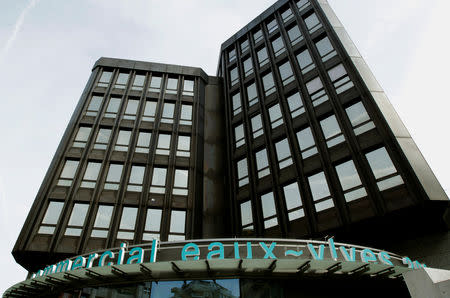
<point>293,139</point>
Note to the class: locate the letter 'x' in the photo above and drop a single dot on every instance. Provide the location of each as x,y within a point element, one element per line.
<point>268,250</point>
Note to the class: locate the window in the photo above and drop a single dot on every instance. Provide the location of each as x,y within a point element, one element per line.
<point>104,79</point>
<point>239,137</point>
<point>172,86</point>
<point>82,137</point>
<point>246,216</point>
<point>127,223</point>
<point>350,181</point>
<point>287,15</point>
<point>184,146</point>
<point>136,178</point>
<point>158,180</point>
<point>272,26</point>
<point>231,55</point>
<point>340,79</point>
<point>257,36</point>
<point>163,146</point>
<point>359,118</point>
<point>263,58</point>
<point>237,108</point>
<point>51,218</point>
<point>320,192</point>
<point>186,114</point>
<point>113,177</point>
<point>188,87</point>
<point>312,23</point>
<point>242,170</point>
<point>295,105</point>
<point>248,66</point>
<point>257,127</point>
<point>168,112</point>
<point>152,227</point>
<point>383,169</point>
<point>143,142</point>
<point>131,110</point>
<point>244,46</point>
<point>331,131</point>
<point>76,220</point>
<point>138,83</point>
<point>269,84</point>
<point>149,111</point>
<point>102,140</point>
<point>283,153</point>
<point>316,91</point>
<point>287,76</point>
<point>252,95</point>
<point>102,221</point>
<point>269,210</point>
<point>302,4</point>
<point>91,174</point>
<point>325,49</point>
<point>177,225</point>
<point>276,119</point>
<point>278,46</point>
<point>155,84</point>
<point>293,201</point>
<point>295,36</point>
<point>122,80</point>
<point>113,107</point>
<point>180,183</point>
<point>94,105</point>
<point>305,61</point>
<point>68,173</point>
<point>123,140</point>
<point>306,143</point>
<point>262,163</point>
<point>234,77</point>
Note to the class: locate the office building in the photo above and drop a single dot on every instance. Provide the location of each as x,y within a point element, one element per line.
<point>292,139</point>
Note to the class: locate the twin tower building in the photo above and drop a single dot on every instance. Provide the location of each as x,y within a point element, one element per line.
<point>293,138</point>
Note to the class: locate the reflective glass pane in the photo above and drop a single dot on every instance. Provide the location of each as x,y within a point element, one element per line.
<point>380,163</point>
<point>181,178</point>
<point>114,104</point>
<point>53,211</point>
<point>155,82</point>
<point>357,114</point>
<point>70,167</point>
<point>95,103</point>
<point>292,196</point>
<point>246,213</point>
<point>305,138</point>
<point>92,170</point>
<point>132,107</point>
<point>124,137</point>
<point>83,134</point>
<point>268,205</point>
<point>103,135</point>
<point>159,176</point>
<point>188,85</point>
<point>164,141</point>
<point>330,127</point>
<point>137,174</point>
<point>348,176</point>
<point>106,76</point>
<point>122,78</point>
<point>139,80</point>
<point>337,72</point>
<point>172,83</point>
<point>242,168</point>
<point>153,220</point>
<point>261,159</point>
<point>103,217</point>
<point>114,173</point>
<point>168,110</point>
<point>144,139</point>
<point>324,46</point>
<point>319,186</point>
<point>177,221</point>
<point>78,214</point>
<point>184,143</point>
<point>282,148</point>
<point>150,108</point>
<point>128,219</point>
<point>186,112</point>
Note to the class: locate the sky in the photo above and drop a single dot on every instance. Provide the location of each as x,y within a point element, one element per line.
<point>48,48</point>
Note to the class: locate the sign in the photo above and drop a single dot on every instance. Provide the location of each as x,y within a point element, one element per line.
<point>247,249</point>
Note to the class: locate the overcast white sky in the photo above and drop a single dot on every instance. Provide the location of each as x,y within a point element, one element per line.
<point>48,47</point>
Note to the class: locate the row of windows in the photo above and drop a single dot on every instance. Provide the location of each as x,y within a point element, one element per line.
<point>101,226</point>
<point>316,91</point>
<point>131,110</point>
<point>331,130</point>
<point>310,19</point>
<point>383,169</point>
<point>122,142</point>
<point>155,84</point>
<point>114,175</point>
